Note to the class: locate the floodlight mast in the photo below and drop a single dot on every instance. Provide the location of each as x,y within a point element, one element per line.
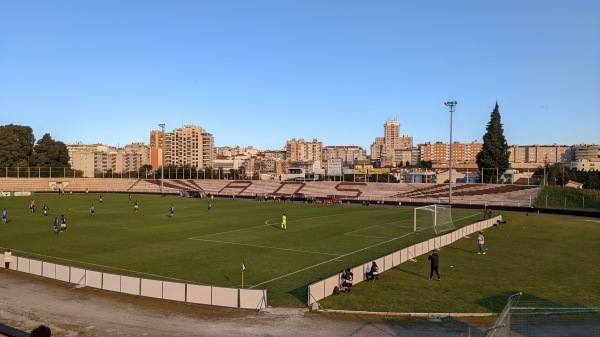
<point>451,105</point>
<point>162,166</point>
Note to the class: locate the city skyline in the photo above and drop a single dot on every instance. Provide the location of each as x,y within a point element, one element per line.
<point>261,73</point>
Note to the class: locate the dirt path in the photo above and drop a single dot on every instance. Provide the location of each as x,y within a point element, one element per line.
<point>28,301</point>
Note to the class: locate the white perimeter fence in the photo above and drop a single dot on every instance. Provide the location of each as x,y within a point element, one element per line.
<point>183,292</point>
<point>324,288</point>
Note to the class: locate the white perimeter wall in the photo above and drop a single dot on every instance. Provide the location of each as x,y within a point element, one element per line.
<point>183,292</point>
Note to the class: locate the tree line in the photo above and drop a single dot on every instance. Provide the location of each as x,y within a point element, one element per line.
<point>18,148</point>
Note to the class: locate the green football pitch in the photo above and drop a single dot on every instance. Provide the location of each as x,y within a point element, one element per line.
<point>201,247</point>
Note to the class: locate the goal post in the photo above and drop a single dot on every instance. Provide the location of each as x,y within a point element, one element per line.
<point>436,217</point>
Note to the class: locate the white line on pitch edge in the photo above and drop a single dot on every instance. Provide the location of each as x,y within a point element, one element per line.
<point>109,267</point>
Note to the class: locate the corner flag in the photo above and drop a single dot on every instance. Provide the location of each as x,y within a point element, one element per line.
<point>243,268</point>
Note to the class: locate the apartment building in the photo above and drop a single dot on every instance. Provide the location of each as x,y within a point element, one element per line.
<point>132,157</point>
<point>534,156</point>
<point>92,159</point>
<point>439,153</point>
<point>189,145</point>
<point>157,145</point>
<point>348,154</point>
<point>586,157</point>
<point>384,148</point>
<point>300,150</point>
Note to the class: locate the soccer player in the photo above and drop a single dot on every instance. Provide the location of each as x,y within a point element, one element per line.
<point>136,206</point>
<point>209,207</point>
<point>4,216</point>
<point>93,210</point>
<point>56,225</point>
<point>63,223</point>
<point>100,198</point>
<point>172,210</point>
<point>129,197</point>
<point>45,209</point>
<point>283,222</point>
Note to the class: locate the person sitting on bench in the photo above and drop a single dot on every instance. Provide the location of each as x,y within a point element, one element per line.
<point>347,277</point>
<point>373,272</point>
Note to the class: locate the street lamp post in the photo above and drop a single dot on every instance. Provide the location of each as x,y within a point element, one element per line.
<point>162,167</point>
<point>451,105</point>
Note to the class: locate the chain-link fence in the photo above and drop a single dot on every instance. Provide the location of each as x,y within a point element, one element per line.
<point>539,318</point>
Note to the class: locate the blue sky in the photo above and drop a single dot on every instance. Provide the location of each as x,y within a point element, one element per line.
<point>263,72</point>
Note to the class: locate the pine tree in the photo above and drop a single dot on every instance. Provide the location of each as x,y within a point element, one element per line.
<point>493,158</point>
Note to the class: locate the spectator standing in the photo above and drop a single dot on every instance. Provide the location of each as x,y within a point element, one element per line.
<point>480,242</point>
<point>7,258</point>
<point>434,258</point>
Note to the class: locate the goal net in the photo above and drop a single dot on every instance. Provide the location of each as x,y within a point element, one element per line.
<point>433,217</point>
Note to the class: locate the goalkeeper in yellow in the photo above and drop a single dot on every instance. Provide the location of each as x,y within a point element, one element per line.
<point>283,222</point>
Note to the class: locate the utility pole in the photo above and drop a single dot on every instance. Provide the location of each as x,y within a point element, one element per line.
<point>451,105</point>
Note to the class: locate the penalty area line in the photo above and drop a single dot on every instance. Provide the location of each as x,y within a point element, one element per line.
<point>268,247</point>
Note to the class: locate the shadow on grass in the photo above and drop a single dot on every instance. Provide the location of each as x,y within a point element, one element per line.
<point>461,249</point>
<point>301,293</point>
<point>233,284</point>
<point>497,302</point>
<point>413,273</point>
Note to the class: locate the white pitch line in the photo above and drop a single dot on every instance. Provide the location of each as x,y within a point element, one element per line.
<point>226,232</point>
<point>318,264</point>
<point>368,236</point>
<point>267,224</point>
<point>268,247</point>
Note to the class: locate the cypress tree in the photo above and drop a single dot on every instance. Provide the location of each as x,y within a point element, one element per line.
<point>493,158</point>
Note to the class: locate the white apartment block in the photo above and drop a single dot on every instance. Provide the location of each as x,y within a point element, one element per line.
<point>300,150</point>
<point>189,146</point>
<point>98,159</point>
<point>587,157</point>
<point>91,159</point>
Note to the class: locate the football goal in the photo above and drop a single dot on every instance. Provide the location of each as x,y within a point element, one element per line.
<point>435,217</point>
